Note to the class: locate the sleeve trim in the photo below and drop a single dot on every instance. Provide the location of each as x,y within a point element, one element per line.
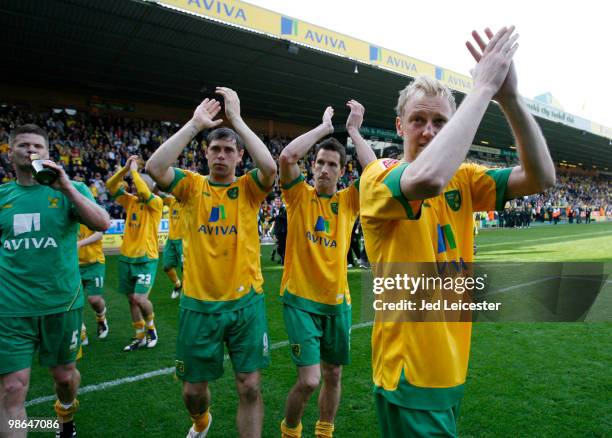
<point>118,193</point>
<point>500,176</point>
<point>178,176</point>
<point>253,174</point>
<point>150,198</point>
<point>287,186</point>
<point>392,181</point>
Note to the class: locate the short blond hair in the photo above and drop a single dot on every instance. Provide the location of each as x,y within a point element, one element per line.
<point>424,86</point>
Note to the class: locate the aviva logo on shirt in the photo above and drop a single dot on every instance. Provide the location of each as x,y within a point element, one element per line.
<point>322,225</point>
<point>27,223</point>
<point>134,221</point>
<point>217,213</point>
<point>446,238</point>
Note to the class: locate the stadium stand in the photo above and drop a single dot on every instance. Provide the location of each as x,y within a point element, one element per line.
<point>92,147</point>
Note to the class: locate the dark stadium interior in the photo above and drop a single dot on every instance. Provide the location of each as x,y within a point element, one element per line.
<point>140,51</point>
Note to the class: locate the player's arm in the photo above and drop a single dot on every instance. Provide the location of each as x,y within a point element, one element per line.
<point>90,213</point>
<point>536,171</point>
<point>95,237</point>
<point>159,166</point>
<point>266,167</point>
<point>144,193</point>
<point>113,184</point>
<point>431,171</point>
<point>365,154</point>
<point>298,148</point>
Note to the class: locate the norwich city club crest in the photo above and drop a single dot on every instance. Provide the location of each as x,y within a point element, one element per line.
<point>179,365</point>
<point>453,199</point>
<point>295,349</point>
<point>232,193</point>
<point>334,207</point>
<point>53,202</point>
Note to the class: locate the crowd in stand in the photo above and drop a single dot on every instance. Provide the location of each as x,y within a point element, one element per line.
<point>91,148</point>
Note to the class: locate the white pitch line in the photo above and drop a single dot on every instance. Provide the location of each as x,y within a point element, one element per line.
<point>543,239</point>
<point>161,372</point>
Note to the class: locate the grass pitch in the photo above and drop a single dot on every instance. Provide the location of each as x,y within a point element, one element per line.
<point>542,379</point>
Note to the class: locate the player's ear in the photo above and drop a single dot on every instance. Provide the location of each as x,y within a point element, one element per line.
<point>398,126</point>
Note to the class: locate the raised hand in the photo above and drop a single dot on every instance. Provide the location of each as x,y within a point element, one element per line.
<point>494,69</point>
<point>509,88</point>
<point>327,119</point>
<point>205,113</point>
<point>355,118</point>
<point>132,162</point>
<point>232,103</point>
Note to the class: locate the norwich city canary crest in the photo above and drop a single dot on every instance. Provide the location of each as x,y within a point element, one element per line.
<point>232,193</point>
<point>53,202</point>
<point>334,207</point>
<point>295,349</point>
<point>453,199</point>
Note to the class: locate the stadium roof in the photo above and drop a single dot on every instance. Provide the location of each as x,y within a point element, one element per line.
<point>147,52</point>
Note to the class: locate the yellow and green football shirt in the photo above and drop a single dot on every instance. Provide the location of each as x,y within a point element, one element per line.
<point>142,217</point>
<point>174,217</point>
<point>318,240</point>
<point>92,253</point>
<point>222,269</point>
<point>423,365</point>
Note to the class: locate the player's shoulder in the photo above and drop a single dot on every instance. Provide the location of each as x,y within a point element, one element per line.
<point>349,189</point>
<point>471,168</point>
<point>188,173</point>
<point>252,177</point>
<point>7,187</point>
<point>379,167</point>
<point>184,174</point>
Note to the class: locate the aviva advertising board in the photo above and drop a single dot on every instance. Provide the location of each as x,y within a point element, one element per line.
<point>255,18</point>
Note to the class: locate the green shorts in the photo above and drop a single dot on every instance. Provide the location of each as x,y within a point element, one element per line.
<point>313,337</point>
<point>173,254</point>
<point>57,338</point>
<point>199,344</point>
<point>137,278</point>
<point>398,422</point>
<point>92,277</point>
